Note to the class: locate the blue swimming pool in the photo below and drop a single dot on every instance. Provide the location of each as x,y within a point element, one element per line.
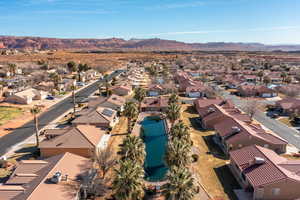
<point>155,138</point>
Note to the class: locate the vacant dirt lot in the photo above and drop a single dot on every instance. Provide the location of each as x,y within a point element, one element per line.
<point>105,60</point>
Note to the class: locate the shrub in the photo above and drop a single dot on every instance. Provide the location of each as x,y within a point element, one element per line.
<point>195,157</point>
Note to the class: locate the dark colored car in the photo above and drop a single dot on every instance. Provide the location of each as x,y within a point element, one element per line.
<point>49,97</point>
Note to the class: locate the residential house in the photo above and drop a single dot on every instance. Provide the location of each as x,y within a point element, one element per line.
<point>66,84</point>
<point>249,78</point>
<point>275,77</point>
<point>57,177</point>
<point>256,91</point>
<point>202,103</point>
<point>159,104</point>
<point>122,90</point>
<point>81,140</point>
<point>114,102</point>
<point>91,74</point>
<point>100,117</point>
<point>26,96</point>
<point>213,114</point>
<point>196,91</point>
<point>266,175</point>
<point>155,90</point>
<point>288,105</point>
<point>232,134</point>
<point>45,86</point>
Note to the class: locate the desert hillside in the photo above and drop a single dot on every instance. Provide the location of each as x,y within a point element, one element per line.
<point>135,44</point>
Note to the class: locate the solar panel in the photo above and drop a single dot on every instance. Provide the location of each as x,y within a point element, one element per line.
<point>107,112</point>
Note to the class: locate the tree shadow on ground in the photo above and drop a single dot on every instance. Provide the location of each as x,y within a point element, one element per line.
<point>29,149</point>
<point>227,180</point>
<point>195,122</point>
<point>191,110</point>
<point>26,153</point>
<point>213,148</point>
<point>118,134</point>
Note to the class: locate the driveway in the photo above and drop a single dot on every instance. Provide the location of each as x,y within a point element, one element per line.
<point>27,130</point>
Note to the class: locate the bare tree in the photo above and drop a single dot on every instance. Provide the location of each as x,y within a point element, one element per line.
<point>105,159</point>
<point>251,108</point>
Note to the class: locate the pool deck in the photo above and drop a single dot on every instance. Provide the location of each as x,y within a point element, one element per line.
<point>137,127</point>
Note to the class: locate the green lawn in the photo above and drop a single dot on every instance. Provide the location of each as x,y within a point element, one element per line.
<point>9,113</point>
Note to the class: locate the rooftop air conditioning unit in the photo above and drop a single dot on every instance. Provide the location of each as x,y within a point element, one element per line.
<point>211,110</point>
<point>235,129</point>
<point>56,178</point>
<point>259,160</point>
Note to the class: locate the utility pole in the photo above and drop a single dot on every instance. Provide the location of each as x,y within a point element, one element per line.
<point>74,100</point>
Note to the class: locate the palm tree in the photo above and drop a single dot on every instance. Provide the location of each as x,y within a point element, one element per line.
<point>266,80</point>
<point>178,153</point>
<point>173,113</point>
<point>12,69</point>
<point>35,110</point>
<point>133,148</point>
<point>55,78</point>
<point>283,75</point>
<point>181,132</point>
<point>72,67</point>
<point>139,95</point>
<point>180,185</point>
<point>260,74</point>
<point>107,84</point>
<point>82,68</point>
<point>128,183</point>
<point>173,98</point>
<point>130,111</point>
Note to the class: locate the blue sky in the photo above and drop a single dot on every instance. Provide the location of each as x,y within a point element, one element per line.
<point>264,21</point>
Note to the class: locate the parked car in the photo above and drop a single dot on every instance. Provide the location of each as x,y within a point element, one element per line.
<point>272,115</point>
<point>80,84</point>
<point>49,97</point>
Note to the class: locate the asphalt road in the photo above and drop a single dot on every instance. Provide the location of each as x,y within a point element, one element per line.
<point>27,130</point>
<point>289,134</point>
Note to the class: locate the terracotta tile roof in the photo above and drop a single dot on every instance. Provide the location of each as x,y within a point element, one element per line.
<point>38,187</point>
<point>196,88</point>
<point>201,104</point>
<point>155,87</point>
<point>289,103</point>
<point>224,129</point>
<point>274,168</point>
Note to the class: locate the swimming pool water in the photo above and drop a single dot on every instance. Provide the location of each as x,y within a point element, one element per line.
<point>155,138</point>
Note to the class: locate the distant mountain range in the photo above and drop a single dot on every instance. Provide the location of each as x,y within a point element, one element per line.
<point>12,42</point>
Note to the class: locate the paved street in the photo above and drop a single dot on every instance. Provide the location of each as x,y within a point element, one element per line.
<point>24,132</point>
<point>287,133</point>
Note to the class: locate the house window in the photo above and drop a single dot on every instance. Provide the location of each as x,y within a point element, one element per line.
<point>275,191</point>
